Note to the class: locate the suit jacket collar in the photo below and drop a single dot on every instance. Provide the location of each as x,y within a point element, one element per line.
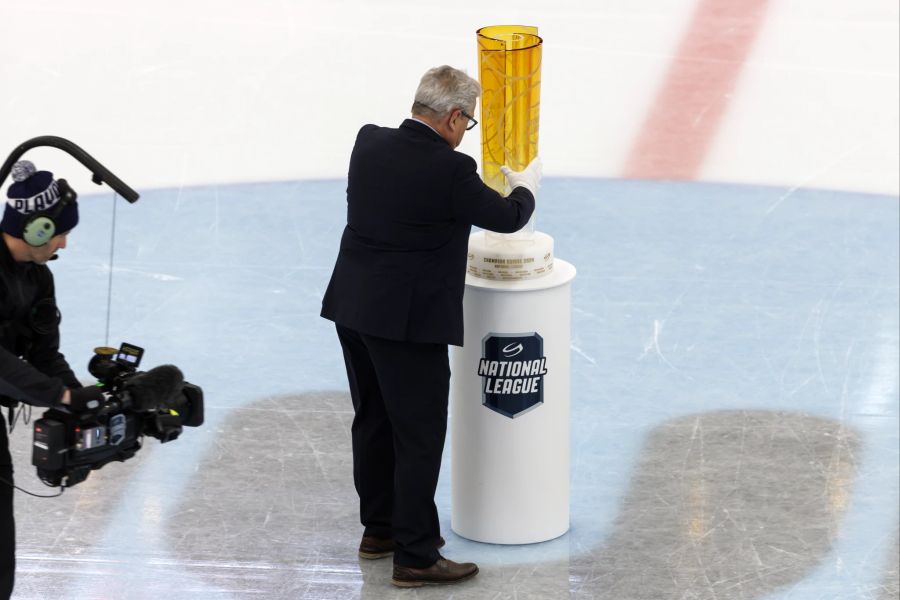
<point>422,128</point>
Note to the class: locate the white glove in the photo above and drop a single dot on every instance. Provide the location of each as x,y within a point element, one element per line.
<point>529,178</point>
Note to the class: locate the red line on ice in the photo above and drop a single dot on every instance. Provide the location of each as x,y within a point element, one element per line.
<point>689,107</point>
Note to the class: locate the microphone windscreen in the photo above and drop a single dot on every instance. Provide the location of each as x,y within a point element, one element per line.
<point>155,388</point>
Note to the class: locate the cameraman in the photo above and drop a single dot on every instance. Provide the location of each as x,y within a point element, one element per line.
<point>39,214</point>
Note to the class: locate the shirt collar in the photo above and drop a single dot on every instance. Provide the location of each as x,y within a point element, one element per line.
<point>425,124</point>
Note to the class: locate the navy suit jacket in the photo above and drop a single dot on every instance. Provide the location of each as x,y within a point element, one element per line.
<point>411,203</point>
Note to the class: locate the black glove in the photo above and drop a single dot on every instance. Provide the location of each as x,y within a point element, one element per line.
<point>86,398</point>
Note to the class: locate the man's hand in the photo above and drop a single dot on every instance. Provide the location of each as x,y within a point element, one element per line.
<point>529,178</point>
<point>82,399</point>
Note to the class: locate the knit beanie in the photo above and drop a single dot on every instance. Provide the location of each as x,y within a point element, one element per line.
<point>34,191</point>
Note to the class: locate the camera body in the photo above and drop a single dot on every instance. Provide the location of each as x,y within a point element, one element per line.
<point>158,403</point>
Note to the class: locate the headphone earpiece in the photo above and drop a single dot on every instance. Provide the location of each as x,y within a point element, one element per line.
<point>40,227</point>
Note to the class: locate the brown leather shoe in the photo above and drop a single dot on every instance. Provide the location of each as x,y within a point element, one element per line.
<point>442,572</point>
<point>372,548</point>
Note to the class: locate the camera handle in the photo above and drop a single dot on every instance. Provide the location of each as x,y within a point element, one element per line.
<point>100,174</point>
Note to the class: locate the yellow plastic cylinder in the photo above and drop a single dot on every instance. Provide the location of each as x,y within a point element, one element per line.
<point>509,67</point>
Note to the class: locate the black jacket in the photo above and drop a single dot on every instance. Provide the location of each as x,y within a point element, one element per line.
<point>411,202</point>
<point>27,302</point>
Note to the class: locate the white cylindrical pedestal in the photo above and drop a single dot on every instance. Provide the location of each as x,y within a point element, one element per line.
<point>510,410</point>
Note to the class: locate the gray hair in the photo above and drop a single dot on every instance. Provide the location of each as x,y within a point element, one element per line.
<point>443,89</point>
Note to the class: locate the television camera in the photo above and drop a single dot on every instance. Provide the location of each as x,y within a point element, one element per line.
<point>69,444</point>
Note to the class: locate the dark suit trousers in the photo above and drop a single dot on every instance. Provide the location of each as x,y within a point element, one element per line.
<point>400,395</point>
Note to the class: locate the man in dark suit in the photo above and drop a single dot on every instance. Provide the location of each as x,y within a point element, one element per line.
<point>396,299</point>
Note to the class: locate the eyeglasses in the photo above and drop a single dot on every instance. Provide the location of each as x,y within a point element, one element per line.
<point>473,123</point>
<point>469,127</point>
